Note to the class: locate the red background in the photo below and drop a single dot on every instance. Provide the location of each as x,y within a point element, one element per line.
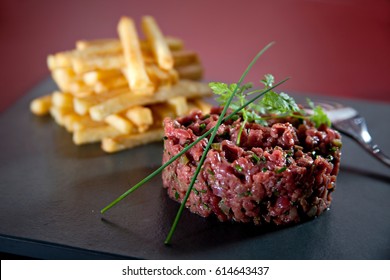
<point>331,47</point>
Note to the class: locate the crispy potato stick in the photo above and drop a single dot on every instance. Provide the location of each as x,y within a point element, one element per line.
<point>123,101</point>
<point>121,123</point>
<point>142,117</point>
<point>111,84</point>
<point>70,120</point>
<point>173,43</point>
<point>121,142</point>
<point>83,104</point>
<point>161,111</point>
<point>94,134</point>
<point>59,114</point>
<point>74,122</point>
<point>174,76</point>
<point>202,105</point>
<point>63,77</point>
<point>135,68</point>
<point>158,43</point>
<point>85,44</point>
<point>185,57</point>
<point>159,76</point>
<point>41,106</point>
<point>77,87</point>
<point>103,62</point>
<point>179,105</point>
<point>190,72</point>
<point>61,99</point>
<point>91,78</point>
<point>58,60</point>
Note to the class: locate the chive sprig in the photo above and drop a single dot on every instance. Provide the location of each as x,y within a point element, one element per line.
<point>213,133</point>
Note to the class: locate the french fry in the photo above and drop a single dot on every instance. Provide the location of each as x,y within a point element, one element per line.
<point>173,43</point>
<point>111,84</point>
<point>63,100</point>
<point>160,112</point>
<point>135,68</point>
<point>93,77</point>
<point>59,60</point>
<point>185,57</point>
<point>94,134</point>
<point>83,122</point>
<point>121,123</point>
<point>190,72</point>
<point>41,106</point>
<point>119,91</point>
<point>121,142</point>
<point>103,62</point>
<point>83,104</point>
<point>59,114</point>
<point>63,76</point>
<point>159,76</point>
<point>157,42</point>
<point>179,104</point>
<point>85,44</point>
<point>188,89</point>
<point>78,86</point>
<point>142,117</point>
<point>70,120</point>
<point>202,105</point>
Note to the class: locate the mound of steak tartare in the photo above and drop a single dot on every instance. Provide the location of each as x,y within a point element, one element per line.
<point>280,174</point>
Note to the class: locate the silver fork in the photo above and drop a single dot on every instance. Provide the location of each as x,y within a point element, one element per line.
<point>348,121</point>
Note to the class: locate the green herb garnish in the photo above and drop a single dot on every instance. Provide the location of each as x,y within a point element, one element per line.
<point>255,159</point>
<point>272,102</point>
<point>238,168</point>
<point>278,171</point>
<point>319,116</point>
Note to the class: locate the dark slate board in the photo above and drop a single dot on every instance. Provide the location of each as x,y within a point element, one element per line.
<point>51,192</point>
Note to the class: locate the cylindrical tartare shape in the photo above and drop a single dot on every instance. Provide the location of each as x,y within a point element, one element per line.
<point>279,174</point>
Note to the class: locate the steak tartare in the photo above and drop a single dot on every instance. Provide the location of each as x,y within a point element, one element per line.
<point>279,174</point>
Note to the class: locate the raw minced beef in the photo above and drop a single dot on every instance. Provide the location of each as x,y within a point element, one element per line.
<point>280,174</point>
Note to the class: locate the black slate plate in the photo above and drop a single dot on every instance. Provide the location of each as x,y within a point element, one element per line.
<point>51,192</point>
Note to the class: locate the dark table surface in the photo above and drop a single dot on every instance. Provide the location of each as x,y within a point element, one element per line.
<point>51,192</point>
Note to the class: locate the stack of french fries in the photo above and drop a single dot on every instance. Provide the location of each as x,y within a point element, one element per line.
<point>118,92</point>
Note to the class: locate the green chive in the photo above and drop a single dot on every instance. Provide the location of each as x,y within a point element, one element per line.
<point>238,168</point>
<point>278,171</point>
<point>255,158</point>
<point>162,167</point>
<point>214,133</point>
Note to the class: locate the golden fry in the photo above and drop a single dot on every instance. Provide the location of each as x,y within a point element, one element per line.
<point>94,134</point>
<point>135,68</point>
<point>41,106</point>
<point>121,142</point>
<point>179,104</point>
<point>158,43</point>
<point>61,99</point>
<point>188,89</point>
<point>142,117</point>
<point>120,123</point>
